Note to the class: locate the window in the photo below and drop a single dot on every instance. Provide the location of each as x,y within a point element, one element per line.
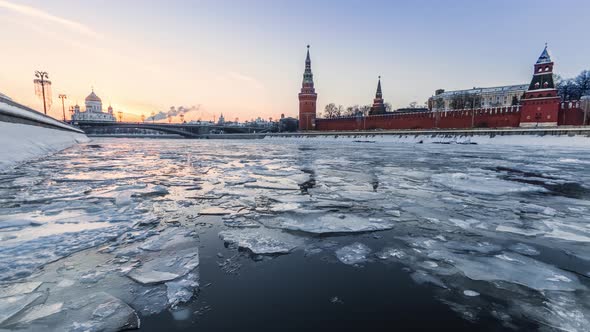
<point>547,68</point>
<point>540,70</point>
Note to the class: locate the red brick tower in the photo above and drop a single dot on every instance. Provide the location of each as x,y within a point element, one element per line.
<point>378,105</point>
<point>540,104</point>
<point>307,98</point>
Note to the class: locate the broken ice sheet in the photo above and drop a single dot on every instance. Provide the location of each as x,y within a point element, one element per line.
<point>12,305</point>
<point>483,184</point>
<point>18,288</point>
<point>512,268</point>
<point>353,254</point>
<point>329,223</point>
<point>262,240</point>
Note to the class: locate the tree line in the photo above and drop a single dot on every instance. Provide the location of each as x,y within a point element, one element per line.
<point>573,88</point>
<point>333,111</point>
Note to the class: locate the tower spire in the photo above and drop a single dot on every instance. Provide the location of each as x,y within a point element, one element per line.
<point>544,57</point>
<point>308,75</point>
<point>379,94</point>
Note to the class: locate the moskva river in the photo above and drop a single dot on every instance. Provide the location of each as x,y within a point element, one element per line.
<point>316,235</point>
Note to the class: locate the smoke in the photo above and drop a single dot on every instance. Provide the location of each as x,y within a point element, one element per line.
<point>173,112</point>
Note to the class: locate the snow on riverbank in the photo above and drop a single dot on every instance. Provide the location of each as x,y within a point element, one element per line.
<point>24,142</point>
<point>432,138</point>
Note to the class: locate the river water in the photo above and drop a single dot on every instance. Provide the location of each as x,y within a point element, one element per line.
<point>314,235</point>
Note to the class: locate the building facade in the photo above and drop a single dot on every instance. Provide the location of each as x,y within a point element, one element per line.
<point>499,96</point>
<point>307,98</point>
<point>93,110</point>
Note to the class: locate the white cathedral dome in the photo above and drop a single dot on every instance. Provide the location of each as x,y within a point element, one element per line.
<point>93,97</point>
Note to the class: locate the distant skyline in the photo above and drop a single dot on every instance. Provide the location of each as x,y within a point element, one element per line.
<point>246,58</point>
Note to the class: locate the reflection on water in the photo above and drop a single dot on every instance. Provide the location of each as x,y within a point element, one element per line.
<point>496,235</point>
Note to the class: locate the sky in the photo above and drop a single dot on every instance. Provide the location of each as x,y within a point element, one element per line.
<point>245,58</point>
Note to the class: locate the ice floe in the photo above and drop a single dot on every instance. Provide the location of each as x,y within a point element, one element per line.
<point>330,223</point>
<point>262,240</point>
<point>353,254</point>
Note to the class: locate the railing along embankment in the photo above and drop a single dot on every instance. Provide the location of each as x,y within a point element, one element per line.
<point>13,112</point>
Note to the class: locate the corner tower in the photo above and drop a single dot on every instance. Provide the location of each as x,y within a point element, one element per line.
<point>378,105</point>
<point>540,105</point>
<point>307,98</point>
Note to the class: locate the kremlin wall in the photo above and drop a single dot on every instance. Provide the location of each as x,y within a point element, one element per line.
<point>540,106</point>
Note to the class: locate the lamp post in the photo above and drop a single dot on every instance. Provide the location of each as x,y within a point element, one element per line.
<point>142,118</point>
<point>41,81</point>
<point>63,106</point>
<point>181,118</point>
<point>120,116</point>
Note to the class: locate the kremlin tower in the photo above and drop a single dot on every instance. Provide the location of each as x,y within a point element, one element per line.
<point>307,98</point>
<point>540,104</point>
<point>378,105</point>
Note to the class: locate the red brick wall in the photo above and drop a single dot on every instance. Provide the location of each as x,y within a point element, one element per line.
<point>570,114</point>
<point>483,118</point>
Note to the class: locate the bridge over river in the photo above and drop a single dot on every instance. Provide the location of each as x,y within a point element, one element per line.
<point>187,130</point>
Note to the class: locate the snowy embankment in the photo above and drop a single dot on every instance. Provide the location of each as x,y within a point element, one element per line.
<point>21,142</point>
<point>506,138</point>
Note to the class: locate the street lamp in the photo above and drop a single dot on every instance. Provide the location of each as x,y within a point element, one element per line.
<point>181,118</point>
<point>63,107</point>
<point>41,82</point>
<point>120,116</point>
<point>142,118</point>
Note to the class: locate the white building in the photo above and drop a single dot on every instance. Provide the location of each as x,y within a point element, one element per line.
<point>499,96</point>
<point>93,111</point>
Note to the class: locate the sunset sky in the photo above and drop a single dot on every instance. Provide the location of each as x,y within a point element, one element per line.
<point>246,58</point>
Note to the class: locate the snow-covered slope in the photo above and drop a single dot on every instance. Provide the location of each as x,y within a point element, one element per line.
<point>21,142</point>
<point>505,139</point>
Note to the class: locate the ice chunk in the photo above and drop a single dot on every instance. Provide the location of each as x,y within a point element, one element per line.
<point>353,254</point>
<point>181,291</point>
<point>513,268</point>
<point>98,312</point>
<point>19,288</point>
<point>391,253</point>
<point>40,311</point>
<point>262,240</point>
<point>18,223</point>
<point>471,293</point>
<point>123,198</point>
<point>421,277</point>
<point>12,305</point>
<point>214,210</point>
<point>167,256</point>
<point>524,249</point>
<point>332,223</point>
<point>482,184</point>
<point>145,276</point>
<point>560,311</point>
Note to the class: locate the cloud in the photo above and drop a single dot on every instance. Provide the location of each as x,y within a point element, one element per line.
<point>240,77</point>
<point>173,112</point>
<point>39,14</point>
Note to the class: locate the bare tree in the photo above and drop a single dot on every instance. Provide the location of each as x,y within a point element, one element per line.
<point>568,90</point>
<point>331,111</point>
<point>583,83</point>
<point>388,107</point>
<point>364,110</point>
